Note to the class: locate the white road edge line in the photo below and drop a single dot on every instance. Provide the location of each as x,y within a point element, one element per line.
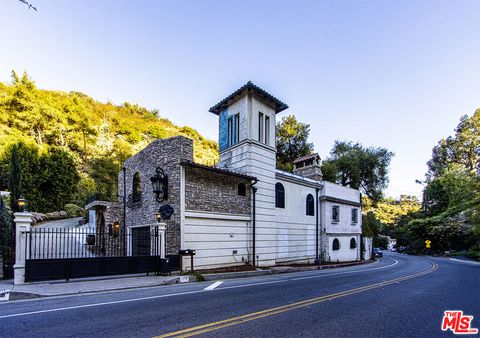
<point>182,293</point>
<point>213,286</point>
<point>464,261</point>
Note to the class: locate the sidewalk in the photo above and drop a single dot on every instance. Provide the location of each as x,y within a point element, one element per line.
<point>110,283</point>
<point>85,285</point>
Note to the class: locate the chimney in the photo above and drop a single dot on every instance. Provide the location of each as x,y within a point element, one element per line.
<point>308,166</point>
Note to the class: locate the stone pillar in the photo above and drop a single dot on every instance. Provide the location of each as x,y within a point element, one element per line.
<point>162,238</point>
<point>22,221</point>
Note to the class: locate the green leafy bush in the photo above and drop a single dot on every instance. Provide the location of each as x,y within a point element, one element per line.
<point>197,275</point>
<point>74,210</point>
<point>474,252</point>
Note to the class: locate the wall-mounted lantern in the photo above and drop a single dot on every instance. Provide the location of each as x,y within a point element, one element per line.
<point>160,185</point>
<point>116,228</point>
<point>21,202</point>
<point>158,216</point>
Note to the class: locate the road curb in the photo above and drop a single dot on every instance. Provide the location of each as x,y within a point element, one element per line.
<point>30,294</point>
<point>277,270</point>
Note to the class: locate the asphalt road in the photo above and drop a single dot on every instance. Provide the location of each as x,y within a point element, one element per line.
<point>400,296</point>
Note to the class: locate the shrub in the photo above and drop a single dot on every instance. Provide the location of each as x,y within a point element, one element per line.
<point>197,275</point>
<point>74,210</point>
<point>474,252</point>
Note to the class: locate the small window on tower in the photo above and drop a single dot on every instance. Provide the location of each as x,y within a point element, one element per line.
<point>233,129</point>
<point>230,131</point>
<point>260,127</point>
<point>237,128</point>
<point>267,130</point>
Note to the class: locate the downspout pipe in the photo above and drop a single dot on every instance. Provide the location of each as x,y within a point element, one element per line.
<point>319,225</point>
<point>254,191</point>
<point>317,258</point>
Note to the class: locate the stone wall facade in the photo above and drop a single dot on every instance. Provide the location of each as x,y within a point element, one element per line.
<point>215,192</point>
<point>108,242</point>
<point>166,154</point>
<point>313,172</point>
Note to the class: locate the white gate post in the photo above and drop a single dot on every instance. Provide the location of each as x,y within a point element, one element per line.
<point>161,238</point>
<point>22,226</point>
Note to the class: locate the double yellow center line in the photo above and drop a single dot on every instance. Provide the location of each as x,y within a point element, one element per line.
<point>276,310</point>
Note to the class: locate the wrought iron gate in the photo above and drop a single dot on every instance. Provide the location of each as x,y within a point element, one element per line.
<point>64,253</point>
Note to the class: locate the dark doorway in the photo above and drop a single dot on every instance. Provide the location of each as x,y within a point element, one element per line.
<point>141,243</point>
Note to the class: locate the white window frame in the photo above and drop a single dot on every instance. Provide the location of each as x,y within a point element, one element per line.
<point>236,127</point>
<point>267,130</point>
<point>354,212</point>
<point>261,127</point>
<point>337,207</point>
<point>230,131</point>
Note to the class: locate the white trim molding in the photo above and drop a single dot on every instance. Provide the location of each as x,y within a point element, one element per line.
<point>161,237</point>
<point>216,215</point>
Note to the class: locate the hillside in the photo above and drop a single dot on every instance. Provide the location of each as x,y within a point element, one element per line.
<point>98,136</point>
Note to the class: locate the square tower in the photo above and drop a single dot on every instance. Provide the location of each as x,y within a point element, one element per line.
<point>247,120</point>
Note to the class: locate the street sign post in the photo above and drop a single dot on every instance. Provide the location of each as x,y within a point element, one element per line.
<point>428,243</point>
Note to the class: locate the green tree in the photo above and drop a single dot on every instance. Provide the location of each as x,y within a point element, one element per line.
<point>371,226</point>
<point>42,121</point>
<point>451,201</point>
<point>58,182</point>
<point>462,149</point>
<point>29,157</point>
<point>104,171</point>
<point>292,141</point>
<point>15,184</point>
<point>49,179</point>
<point>451,190</point>
<point>389,211</point>
<point>351,164</point>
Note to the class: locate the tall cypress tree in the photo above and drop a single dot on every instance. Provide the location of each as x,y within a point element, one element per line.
<point>15,179</point>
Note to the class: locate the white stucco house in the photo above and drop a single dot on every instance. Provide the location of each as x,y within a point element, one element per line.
<point>242,210</point>
<point>299,216</point>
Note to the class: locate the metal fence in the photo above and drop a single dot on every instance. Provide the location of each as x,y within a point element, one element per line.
<point>88,242</point>
<point>64,253</point>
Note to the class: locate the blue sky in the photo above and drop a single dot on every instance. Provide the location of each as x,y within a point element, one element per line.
<point>396,74</point>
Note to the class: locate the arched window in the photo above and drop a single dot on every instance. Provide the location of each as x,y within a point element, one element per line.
<point>353,243</point>
<point>310,205</point>
<point>242,189</point>
<point>336,244</point>
<point>279,195</point>
<point>137,188</point>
